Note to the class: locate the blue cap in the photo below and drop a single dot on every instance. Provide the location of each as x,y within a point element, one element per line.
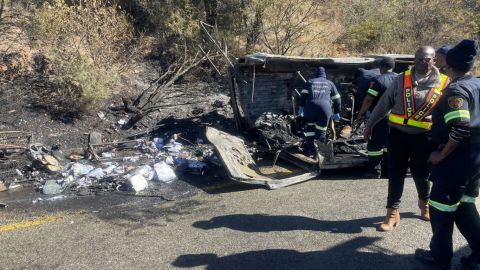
<point>462,56</point>
<point>320,72</point>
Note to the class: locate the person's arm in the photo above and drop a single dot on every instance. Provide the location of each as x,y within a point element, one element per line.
<point>367,103</point>
<point>457,118</point>
<point>368,100</point>
<point>336,99</point>
<point>382,108</point>
<point>304,94</point>
<point>385,103</point>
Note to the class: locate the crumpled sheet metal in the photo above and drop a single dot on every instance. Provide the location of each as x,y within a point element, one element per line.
<point>240,164</point>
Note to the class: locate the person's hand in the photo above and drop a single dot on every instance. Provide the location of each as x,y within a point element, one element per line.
<point>300,111</point>
<point>367,133</point>
<point>435,157</point>
<point>361,117</point>
<point>336,117</point>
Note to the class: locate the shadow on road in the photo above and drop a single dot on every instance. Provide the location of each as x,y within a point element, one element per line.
<point>359,253</point>
<point>343,256</point>
<point>266,223</point>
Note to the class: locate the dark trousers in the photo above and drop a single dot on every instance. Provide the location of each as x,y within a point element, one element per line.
<point>407,150</point>
<point>316,118</point>
<point>468,223</point>
<point>450,183</point>
<point>376,145</point>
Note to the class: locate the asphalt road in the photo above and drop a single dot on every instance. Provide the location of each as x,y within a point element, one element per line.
<point>320,224</point>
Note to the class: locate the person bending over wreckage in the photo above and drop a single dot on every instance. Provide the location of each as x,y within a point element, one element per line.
<point>316,109</point>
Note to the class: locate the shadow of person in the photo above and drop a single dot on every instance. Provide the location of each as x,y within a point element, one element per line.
<point>346,255</point>
<point>358,253</point>
<point>267,223</point>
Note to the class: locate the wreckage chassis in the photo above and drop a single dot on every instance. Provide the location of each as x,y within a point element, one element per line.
<point>262,85</point>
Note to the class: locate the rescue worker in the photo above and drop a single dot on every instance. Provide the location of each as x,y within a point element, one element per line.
<point>376,144</point>
<point>440,58</point>
<point>409,99</point>
<point>361,83</point>
<point>316,109</point>
<point>456,162</point>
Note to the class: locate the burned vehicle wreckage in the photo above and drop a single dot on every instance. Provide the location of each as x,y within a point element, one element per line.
<point>264,97</point>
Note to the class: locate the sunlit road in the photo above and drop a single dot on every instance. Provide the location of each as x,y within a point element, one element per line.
<point>320,224</point>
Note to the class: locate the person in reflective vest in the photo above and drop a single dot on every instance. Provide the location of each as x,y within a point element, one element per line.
<point>456,162</point>
<point>408,102</point>
<point>376,145</point>
<point>316,108</point>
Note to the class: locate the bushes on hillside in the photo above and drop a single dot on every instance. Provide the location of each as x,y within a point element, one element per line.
<point>400,26</point>
<point>88,43</point>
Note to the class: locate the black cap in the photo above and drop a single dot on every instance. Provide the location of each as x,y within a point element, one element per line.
<point>387,62</point>
<point>462,56</point>
<point>443,50</point>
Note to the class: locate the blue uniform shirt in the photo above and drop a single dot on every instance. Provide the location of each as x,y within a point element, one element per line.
<point>321,91</point>
<point>459,105</point>
<point>363,78</point>
<point>379,85</point>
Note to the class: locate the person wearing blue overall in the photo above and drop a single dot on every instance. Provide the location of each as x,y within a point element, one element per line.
<point>456,162</point>
<point>376,146</point>
<point>316,108</point>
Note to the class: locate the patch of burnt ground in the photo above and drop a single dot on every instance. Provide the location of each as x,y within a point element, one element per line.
<point>35,104</point>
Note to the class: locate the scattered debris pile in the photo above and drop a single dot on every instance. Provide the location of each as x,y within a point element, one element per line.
<point>277,129</point>
<point>105,167</point>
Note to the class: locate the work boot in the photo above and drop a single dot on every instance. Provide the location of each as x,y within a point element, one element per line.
<point>425,257</point>
<point>470,262</point>
<point>391,220</point>
<point>424,210</point>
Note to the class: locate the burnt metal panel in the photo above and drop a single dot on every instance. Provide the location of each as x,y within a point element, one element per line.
<point>240,165</point>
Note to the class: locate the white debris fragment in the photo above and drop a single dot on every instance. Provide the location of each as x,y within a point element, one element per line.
<point>79,169</point>
<point>174,147</point>
<point>169,160</point>
<point>122,122</point>
<point>37,200</point>
<point>108,155</point>
<point>56,198</point>
<point>97,173</point>
<point>84,182</point>
<point>145,171</point>
<point>138,182</point>
<point>101,115</point>
<point>110,169</point>
<point>164,172</point>
<point>52,187</point>
<point>14,185</point>
<point>131,159</point>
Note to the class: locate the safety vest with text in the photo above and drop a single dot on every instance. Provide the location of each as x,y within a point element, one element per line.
<point>412,116</point>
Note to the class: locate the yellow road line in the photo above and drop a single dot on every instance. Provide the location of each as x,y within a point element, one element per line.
<point>33,222</point>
